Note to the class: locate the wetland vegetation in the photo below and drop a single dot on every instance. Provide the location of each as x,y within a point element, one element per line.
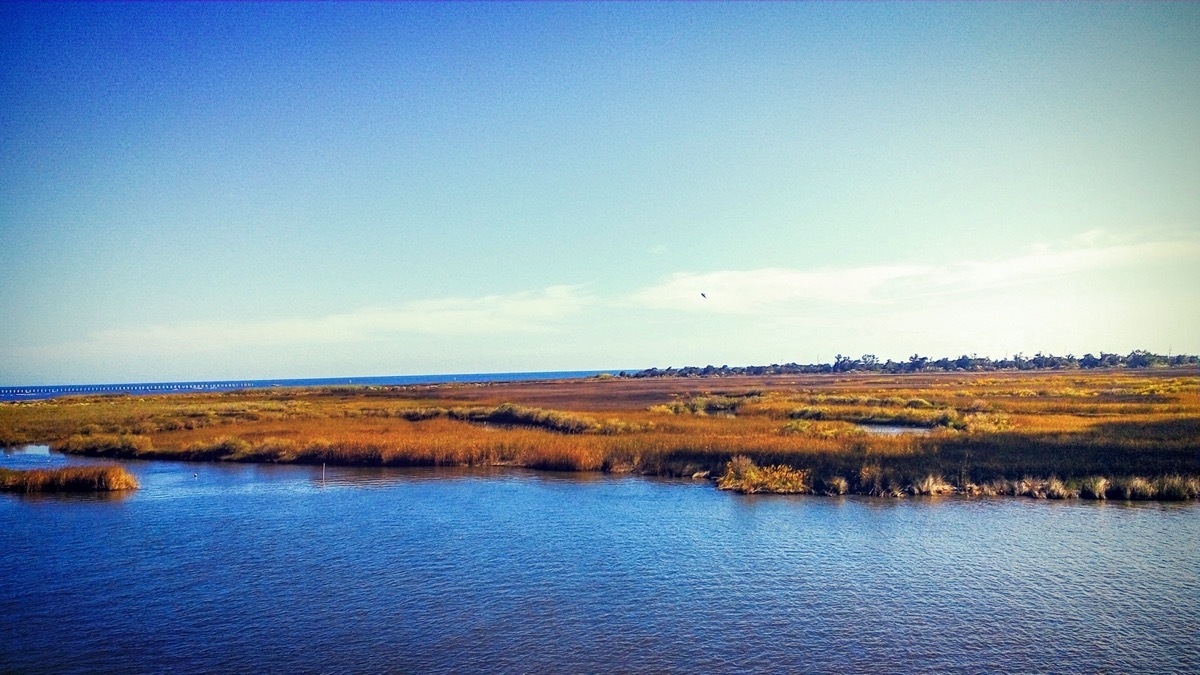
<point>1096,433</point>
<point>68,479</point>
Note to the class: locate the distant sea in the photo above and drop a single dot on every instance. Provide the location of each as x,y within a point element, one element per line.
<point>30,393</point>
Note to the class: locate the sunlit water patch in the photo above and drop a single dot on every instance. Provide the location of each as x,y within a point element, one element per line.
<point>891,429</point>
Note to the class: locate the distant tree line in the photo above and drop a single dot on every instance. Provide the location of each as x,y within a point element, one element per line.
<point>868,363</point>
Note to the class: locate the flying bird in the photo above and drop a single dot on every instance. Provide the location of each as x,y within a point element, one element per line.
<point>704,296</point>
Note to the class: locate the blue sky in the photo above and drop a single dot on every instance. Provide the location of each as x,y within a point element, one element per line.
<point>211,190</point>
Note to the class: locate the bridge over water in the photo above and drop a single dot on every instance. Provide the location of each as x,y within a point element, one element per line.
<point>33,393</point>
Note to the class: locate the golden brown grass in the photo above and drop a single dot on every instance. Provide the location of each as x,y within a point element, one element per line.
<point>68,479</point>
<point>1049,434</point>
<point>743,475</point>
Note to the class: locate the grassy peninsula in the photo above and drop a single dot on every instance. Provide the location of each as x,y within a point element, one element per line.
<point>1097,433</point>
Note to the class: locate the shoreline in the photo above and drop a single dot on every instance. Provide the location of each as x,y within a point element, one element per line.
<point>1131,489</point>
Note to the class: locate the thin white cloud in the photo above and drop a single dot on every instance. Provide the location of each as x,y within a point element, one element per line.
<point>1037,300</point>
<point>1046,264</point>
<point>775,289</point>
<point>527,312</point>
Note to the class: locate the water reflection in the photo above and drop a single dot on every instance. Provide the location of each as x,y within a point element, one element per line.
<point>362,476</point>
<point>496,569</point>
<point>892,429</point>
<point>68,497</point>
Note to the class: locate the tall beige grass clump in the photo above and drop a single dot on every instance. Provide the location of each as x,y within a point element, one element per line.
<point>1134,487</point>
<point>931,485</point>
<point>1177,487</point>
<point>1094,487</point>
<point>1056,489</point>
<point>743,475</point>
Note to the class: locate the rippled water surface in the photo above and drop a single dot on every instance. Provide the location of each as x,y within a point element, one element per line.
<point>245,568</point>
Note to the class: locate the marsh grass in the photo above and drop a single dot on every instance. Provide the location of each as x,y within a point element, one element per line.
<point>835,485</point>
<point>517,415</point>
<point>106,445</point>
<point>1056,489</point>
<point>68,479</point>
<point>1094,487</point>
<point>743,475</point>
<point>931,485</point>
<point>1177,488</point>
<point>1134,488</point>
<point>1094,435</point>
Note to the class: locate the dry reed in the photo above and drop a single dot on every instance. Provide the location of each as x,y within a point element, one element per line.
<point>68,479</point>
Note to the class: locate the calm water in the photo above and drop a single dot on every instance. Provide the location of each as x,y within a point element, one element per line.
<point>35,392</point>
<point>248,568</point>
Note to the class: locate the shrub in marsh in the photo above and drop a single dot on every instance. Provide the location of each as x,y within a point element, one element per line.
<point>1056,489</point>
<point>621,460</point>
<point>823,430</point>
<point>1028,486</point>
<point>1134,487</point>
<point>1193,486</point>
<point>144,428</point>
<point>931,485</point>
<point>809,413</point>
<point>743,475</point>
<point>68,479</point>
<point>1094,487</point>
<point>223,448</point>
<point>273,449</point>
<point>870,479</point>
<point>835,485</point>
<point>421,414</point>
<point>106,445</point>
<point>614,426</point>
<point>719,404</point>
<point>1175,488</point>
<point>512,414</point>
<point>981,423</point>
<point>796,427</point>
<point>875,481</point>
<point>950,419</point>
<point>708,404</point>
<point>979,406</point>
<point>988,489</point>
<point>231,447</point>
